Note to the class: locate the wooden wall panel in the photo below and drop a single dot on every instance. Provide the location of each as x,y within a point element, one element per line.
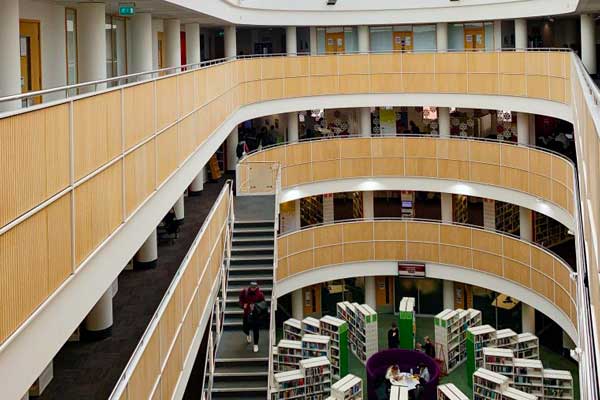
<point>97,131</point>
<point>386,63</point>
<point>146,372</point>
<point>138,113</point>
<point>172,370</point>
<point>187,93</point>
<point>296,66</point>
<point>166,102</point>
<point>140,175</point>
<point>98,210</point>
<point>60,262</point>
<point>166,149</point>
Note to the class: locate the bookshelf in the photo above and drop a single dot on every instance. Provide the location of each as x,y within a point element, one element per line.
<point>289,354</point>
<point>488,385</point>
<point>450,327</point>
<point>337,330</point>
<point>478,337</point>
<point>499,360</point>
<point>315,346</point>
<point>529,376</point>
<point>527,346</point>
<point>406,323</point>
<point>310,325</point>
<point>292,329</point>
<point>362,328</point>
<point>398,393</point>
<point>349,387</point>
<point>288,385</point>
<point>449,391</point>
<point>557,384</point>
<point>506,339</point>
<point>275,353</point>
<point>511,393</point>
<point>317,377</point>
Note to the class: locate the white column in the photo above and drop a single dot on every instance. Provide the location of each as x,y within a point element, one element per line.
<point>328,213</point>
<point>365,121</point>
<point>523,128</point>
<point>498,35</point>
<point>91,43</point>
<point>197,184</point>
<point>98,322</point>
<point>54,73</point>
<point>313,40</point>
<point>444,121</point>
<point>179,208</point>
<point>292,127</point>
<point>588,43</point>
<point>525,224</point>
<point>157,26</point>
<point>172,29</point>
<point>446,207</point>
<point>489,214</point>
<point>448,294</point>
<point>147,255</point>
<point>291,42</point>
<point>231,143</point>
<point>368,205</point>
<point>532,129</point>
<point>297,305</point>
<point>527,318</point>
<point>441,33</point>
<point>521,42</point>
<point>370,292</point>
<point>230,41</point>
<point>10,62</point>
<point>141,39</point>
<point>192,43</point>
<point>363,39</point>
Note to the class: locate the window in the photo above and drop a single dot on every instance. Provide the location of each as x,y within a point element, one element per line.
<point>71,40</point>
<point>116,47</point>
<point>337,40</point>
<point>471,36</point>
<point>403,38</point>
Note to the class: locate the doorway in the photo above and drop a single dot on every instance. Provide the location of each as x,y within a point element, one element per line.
<point>474,38</point>
<point>403,41</point>
<point>334,42</point>
<point>31,63</point>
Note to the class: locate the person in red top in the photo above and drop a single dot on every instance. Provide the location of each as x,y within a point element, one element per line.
<point>248,297</point>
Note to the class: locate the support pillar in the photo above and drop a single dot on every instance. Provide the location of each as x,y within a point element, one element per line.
<point>448,294</point>
<point>527,318</point>
<point>368,205</point>
<point>489,214</point>
<point>231,143</point>
<point>10,62</point>
<point>498,35</point>
<point>441,35</point>
<point>444,121</point>
<point>522,128</point>
<point>192,43</point>
<point>363,39</point>
<point>588,43</point>
<point>521,42</point>
<point>297,305</point>
<point>179,209</point>
<point>91,44</point>
<point>525,224</point>
<point>370,292</point>
<point>365,121</point>
<point>42,382</point>
<point>141,35</point>
<point>292,127</point>
<point>172,29</point>
<point>446,199</point>
<point>98,323</point>
<point>54,32</point>
<point>291,42</point>
<point>147,256</point>
<point>230,41</point>
<point>314,46</point>
<point>328,213</point>
<point>197,184</point>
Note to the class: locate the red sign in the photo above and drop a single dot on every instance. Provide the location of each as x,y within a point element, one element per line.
<point>411,270</point>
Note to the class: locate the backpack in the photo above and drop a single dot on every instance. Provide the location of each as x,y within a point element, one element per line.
<point>259,312</point>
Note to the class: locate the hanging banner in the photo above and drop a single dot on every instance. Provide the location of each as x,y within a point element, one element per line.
<point>387,121</point>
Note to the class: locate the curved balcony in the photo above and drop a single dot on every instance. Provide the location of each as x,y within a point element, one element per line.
<point>530,177</point>
<point>457,252</point>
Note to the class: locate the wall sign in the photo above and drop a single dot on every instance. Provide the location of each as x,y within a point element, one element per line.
<point>411,270</point>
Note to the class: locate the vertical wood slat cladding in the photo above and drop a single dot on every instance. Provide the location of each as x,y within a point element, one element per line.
<point>138,113</point>
<point>140,175</point>
<point>34,159</point>
<point>461,246</point>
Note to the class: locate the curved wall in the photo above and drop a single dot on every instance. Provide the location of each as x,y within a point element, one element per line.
<point>417,162</point>
<point>526,267</point>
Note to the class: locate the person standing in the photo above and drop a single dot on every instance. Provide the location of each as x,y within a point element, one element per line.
<point>429,347</point>
<point>248,298</point>
<point>393,337</point>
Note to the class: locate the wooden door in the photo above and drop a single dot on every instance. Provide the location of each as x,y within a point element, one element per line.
<point>384,291</point>
<point>474,38</point>
<point>311,298</point>
<point>161,50</point>
<point>403,40</point>
<point>31,63</point>
<point>334,42</point>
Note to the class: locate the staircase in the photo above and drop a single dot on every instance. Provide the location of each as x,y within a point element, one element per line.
<point>239,372</point>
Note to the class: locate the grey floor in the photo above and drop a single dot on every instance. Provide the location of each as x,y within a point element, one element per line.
<point>254,208</point>
<point>233,345</point>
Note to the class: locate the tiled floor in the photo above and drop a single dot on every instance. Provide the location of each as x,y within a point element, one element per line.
<point>90,370</point>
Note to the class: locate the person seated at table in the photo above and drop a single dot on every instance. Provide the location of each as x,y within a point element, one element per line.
<point>393,373</point>
<point>423,374</point>
<point>419,347</point>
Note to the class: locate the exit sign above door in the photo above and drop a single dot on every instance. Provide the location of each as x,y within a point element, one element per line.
<point>127,10</point>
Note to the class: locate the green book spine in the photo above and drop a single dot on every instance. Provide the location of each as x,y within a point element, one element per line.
<point>406,326</point>
<point>470,342</point>
<point>343,350</point>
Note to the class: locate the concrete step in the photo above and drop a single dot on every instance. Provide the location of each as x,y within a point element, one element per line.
<point>251,259</point>
<point>257,239</point>
<point>250,276</point>
<point>235,287</point>
<point>250,231</point>
<point>232,300</point>
<point>245,362</point>
<point>252,250</point>
<point>257,223</point>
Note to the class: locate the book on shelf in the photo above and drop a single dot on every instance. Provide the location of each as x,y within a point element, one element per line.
<point>292,329</point>
<point>449,391</point>
<point>310,325</point>
<point>450,328</point>
<point>337,330</point>
<point>527,346</point>
<point>347,388</point>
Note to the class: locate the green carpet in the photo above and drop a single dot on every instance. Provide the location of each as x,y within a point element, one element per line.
<point>549,358</point>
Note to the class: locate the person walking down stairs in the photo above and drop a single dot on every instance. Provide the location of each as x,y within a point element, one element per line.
<point>252,301</point>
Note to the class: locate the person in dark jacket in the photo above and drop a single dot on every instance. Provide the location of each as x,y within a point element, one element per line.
<point>429,347</point>
<point>249,297</point>
<point>393,336</point>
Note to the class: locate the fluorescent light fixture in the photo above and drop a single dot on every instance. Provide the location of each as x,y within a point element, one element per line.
<point>331,2</point>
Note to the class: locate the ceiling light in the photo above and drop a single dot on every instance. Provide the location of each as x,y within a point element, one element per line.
<point>331,2</point>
